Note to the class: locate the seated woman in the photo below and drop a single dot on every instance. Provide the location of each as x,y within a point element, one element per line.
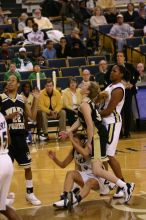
<point>83,175</point>
<point>28,25</point>
<point>97,19</point>
<point>71,100</point>
<point>63,49</point>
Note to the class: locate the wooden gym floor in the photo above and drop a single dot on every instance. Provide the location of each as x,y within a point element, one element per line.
<point>48,184</point>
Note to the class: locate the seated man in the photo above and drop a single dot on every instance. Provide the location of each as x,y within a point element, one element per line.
<point>83,176</point>
<point>120,31</point>
<point>12,71</point>
<point>50,107</point>
<point>33,75</point>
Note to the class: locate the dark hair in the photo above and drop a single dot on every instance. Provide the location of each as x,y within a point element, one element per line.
<point>24,84</point>
<point>72,79</point>
<point>29,19</point>
<point>48,41</point>
<point>82,137</point>
<point>63,38</point>
<point>130,3</point>
<point>94,90</point>
<point>35,24</point>
<point>121,68</point>
<point>49,80</point>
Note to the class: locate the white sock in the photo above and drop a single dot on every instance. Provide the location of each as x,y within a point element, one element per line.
<point>120,183</point>
<point>29,184</point>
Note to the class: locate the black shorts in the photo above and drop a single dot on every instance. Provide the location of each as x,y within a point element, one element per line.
<point>19,151</point>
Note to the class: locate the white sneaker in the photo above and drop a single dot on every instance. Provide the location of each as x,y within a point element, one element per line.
<point>104,187</point>
<point>119,194</point>
<point>112,185</point>
<point>72,201</point>
<point>43,137</point>
<point>61,203</point>
<point>32,199</point>
<point>10,199</point>
<point>128,189</point>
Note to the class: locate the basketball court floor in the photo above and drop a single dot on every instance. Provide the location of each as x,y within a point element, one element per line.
<point>49,178</point>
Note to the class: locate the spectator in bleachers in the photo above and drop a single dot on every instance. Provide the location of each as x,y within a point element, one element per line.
<point>121,31</point>
<point>86,77</point>
<point>130,15</point>
<point>71,97</point>
<point>111,15</point>
<point>63,49</point>
<point>36,70</point>
<point>43,22</point>
<point>23,63</point>
<point>97,19</point>
<point>141,6</point>
<point>22,20</point>
<point>77,50</point>
<point>142,75</point>
<point>6,53</point>
<point>101,74</point>
<point>130,78</point>
<point>12,71</point>
<point>3,18</point>
<point>28,25</point>
<point>90,4</point>
<point>140,21</point>
<point>85,15</point>
<point>36,36</point>
<point>73,37</point>
<point>49,52</point>
<point>50,105</point>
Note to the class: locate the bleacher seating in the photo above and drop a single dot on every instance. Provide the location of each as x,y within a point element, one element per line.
<point>95,59</point>
<point>70,71</point>
<point>77,61</point>
<point>56,63</point>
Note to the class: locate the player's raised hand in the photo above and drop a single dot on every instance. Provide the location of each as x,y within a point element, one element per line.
<point>63,134</point>
<point>52,154</point>
<point>36,93</point>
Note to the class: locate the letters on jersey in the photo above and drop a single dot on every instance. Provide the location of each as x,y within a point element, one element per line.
<point>10,106</point>
<point>3,135</point>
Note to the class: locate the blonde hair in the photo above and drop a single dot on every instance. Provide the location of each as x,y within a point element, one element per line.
<point>95,9</point>
<point>94,90</point>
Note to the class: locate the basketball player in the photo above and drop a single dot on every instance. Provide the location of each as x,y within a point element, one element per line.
<point>14,107</point>
<point>112,119</point>
<point>83,176</point>
<point>6,172</point>
<point>86,116</point>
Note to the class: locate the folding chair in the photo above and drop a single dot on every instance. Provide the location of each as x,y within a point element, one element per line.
<point>92,68</point>
<point>77,61</point>
<point>56,63</point>
<point>95,59</point>
<point>70,71</point>
<point>48,72</point>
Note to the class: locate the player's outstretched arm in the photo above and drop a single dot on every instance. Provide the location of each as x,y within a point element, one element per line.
<point>63,163</point>
<point>32,112</point>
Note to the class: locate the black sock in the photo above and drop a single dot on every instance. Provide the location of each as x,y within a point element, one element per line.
<point>79,198</point>
<point>29,190</point>
<point>76,190</point>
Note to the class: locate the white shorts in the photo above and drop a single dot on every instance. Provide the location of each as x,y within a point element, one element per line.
<point>113,138</point>
<point>87,175</point>
<point>6,172</point>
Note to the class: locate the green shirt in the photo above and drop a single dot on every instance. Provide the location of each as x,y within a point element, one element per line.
<point>8,74</point>
<point>33,76</point>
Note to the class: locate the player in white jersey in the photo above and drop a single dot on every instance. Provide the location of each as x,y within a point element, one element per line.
<point>6,172</point>
<point>112,119</point>
<point>83,175</point>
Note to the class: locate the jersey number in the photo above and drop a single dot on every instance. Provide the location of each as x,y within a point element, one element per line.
<point>3,140</point>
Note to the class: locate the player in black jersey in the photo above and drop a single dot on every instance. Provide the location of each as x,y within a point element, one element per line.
<point>14,108</point>
<point>89,117</point>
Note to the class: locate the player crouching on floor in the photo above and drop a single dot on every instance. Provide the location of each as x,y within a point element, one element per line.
<point>83,176</point>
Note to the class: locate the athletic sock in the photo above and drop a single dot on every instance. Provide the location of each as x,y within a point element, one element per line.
<point>29,186</point>
<point>79,198</point>
<point>120,183</point>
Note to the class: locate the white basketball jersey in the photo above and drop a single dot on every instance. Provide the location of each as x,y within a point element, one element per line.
<point>3,135</point>
<point>115,116</point>
<point>84,164</point>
